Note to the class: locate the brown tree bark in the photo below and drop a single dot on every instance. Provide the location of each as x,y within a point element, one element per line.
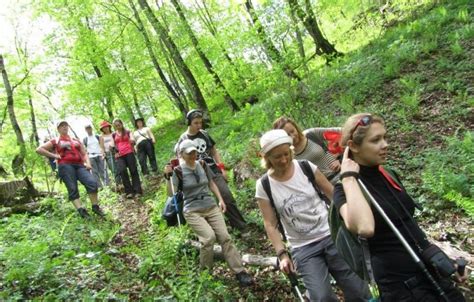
<point>141,28</point>
<point>176,56</point>
<point>270,48</point>
<point>308,18</point>
<point>34,134</point>
<point>19,159</point>
<point>217,80</point>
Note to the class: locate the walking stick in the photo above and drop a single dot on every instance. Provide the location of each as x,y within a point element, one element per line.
<point>175,202</point>
<point>407,246</point>
<point>294,284</point>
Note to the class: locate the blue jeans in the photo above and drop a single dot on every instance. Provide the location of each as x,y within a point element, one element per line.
<point>315,261</point>
<point>71,173</point>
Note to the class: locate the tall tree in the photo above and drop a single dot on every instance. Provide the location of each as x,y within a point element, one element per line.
<point>176,56</point>
<point>229,100</point>
<point>19,159</point>
<point>141,28</point>
<point>308,18</point>
<point>270,48</point>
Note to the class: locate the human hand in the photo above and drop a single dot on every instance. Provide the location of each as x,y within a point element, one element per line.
<point>222,206</point>
<point>335,166</point>
<point>56,156</point>
<point>88,166</point>
<point>348,165</point>
<point>457,276</point>
<point>286,265</point>
<point>168,169</point>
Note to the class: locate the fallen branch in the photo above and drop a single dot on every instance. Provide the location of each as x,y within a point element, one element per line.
<point>249,259</point>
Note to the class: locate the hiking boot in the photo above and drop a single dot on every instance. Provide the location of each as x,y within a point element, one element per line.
<point>97,210</point>
<point>244,278</point>
<point>83,213</point>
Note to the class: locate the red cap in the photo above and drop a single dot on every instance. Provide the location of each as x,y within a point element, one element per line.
<point>104,124</point>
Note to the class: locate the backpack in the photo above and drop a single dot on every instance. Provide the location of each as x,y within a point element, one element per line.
<point>306,168</point>
<point>173,210</point>
<point>354,249</point>
<point>86,139</point>
<point>329,141</point>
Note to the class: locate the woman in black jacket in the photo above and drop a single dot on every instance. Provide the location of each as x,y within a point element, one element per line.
<point>396,273</point>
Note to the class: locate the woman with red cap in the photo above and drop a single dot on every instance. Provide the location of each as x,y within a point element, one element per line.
<point>107,146</point>
<point>73,166</point>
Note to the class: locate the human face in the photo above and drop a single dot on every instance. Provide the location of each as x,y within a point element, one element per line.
<point>139,124</point>
<point>280,157</point>
<point>291,131</point>
<point>89,131</point>
<point>63,129</point>
<point>196,125</point>
<point>373,150</point>
<point>118,126</point>
<point>189,157</point>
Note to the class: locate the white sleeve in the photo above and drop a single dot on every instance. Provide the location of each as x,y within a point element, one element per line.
<point>260,192</point>
<point>314,168</point>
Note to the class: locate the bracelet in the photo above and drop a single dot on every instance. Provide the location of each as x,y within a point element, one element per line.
<point>281,253</point>
<point>349,174</point>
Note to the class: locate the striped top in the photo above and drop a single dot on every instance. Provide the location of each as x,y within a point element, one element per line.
<point>317,155</point>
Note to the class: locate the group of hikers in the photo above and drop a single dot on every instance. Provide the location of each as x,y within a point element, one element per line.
<point>308,175</point>
<point>89,161</point>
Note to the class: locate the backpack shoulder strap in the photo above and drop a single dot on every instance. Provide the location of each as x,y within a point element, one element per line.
<point>97,137</point>
<point>266,186</point>
<point>84,141</point>
<point>305,166</point>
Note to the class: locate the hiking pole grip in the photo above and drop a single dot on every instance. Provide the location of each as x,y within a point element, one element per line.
<point>461,262</point>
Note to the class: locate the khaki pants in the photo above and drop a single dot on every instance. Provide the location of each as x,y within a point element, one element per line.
<point>209,225</point>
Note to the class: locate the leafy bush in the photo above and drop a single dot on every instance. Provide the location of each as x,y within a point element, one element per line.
<point>450,173</point>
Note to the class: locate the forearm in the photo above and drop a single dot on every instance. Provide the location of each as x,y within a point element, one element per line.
<point>358,215</point>
<point>44,152</point>
<point>215,190</point>
<point>274,235</point>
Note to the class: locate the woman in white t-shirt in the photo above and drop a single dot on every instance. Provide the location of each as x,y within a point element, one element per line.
<point>145,142</point>
<point>107,146</point>
<point>304,221</point>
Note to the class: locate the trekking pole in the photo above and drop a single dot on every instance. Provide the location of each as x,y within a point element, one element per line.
<point>294,284</point>
<point>407,246</point>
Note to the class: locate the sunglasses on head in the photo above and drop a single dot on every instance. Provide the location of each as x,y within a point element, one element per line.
<point>363,121</point>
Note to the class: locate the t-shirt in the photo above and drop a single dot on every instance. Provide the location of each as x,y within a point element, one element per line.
<point>123,143</point>
<point>93,146</point>
<point>204,144</point>
<point>140,135</point>
<point>196,192</point>
<point>317,155</point>
<point>390,260</point>
<point>108,142</point>
<point>69,149</point>
<point>303,214</point>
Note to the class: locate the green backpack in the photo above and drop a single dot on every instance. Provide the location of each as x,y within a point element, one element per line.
<point>354,249</point>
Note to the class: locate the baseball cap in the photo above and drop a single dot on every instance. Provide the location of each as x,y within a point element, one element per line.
<point>187,146</point>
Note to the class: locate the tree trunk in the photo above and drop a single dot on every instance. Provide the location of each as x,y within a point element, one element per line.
<point>174,95</point>
<point>107,99</point>
<point>228,98</point>
<point>34,134</point>
<point>173,49</point>
<point>323,46</point>
<point>299,38</point>
<point>132,87</point>
<point>270,48</point>
<point>18,161</point>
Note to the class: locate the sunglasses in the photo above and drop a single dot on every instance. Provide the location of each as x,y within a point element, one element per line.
<point>363,121</point>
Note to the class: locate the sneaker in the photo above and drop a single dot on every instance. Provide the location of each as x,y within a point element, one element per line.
<point>97,210</point>
<point>129,196</point>
<point>83,213</point>
<point>138,196</point>
<point>244,278</point>
<point>246,233</point>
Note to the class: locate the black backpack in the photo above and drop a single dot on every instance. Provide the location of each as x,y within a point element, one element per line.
<point>174,204</point>
<point>304,164</point>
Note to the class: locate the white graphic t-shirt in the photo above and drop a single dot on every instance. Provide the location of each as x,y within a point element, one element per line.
<point>303,214</point>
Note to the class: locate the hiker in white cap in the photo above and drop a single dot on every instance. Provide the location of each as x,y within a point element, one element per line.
<point>293,209</point>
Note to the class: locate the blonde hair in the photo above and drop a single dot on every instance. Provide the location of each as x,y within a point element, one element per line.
<point>265,162</point>
<point>357,135</point>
